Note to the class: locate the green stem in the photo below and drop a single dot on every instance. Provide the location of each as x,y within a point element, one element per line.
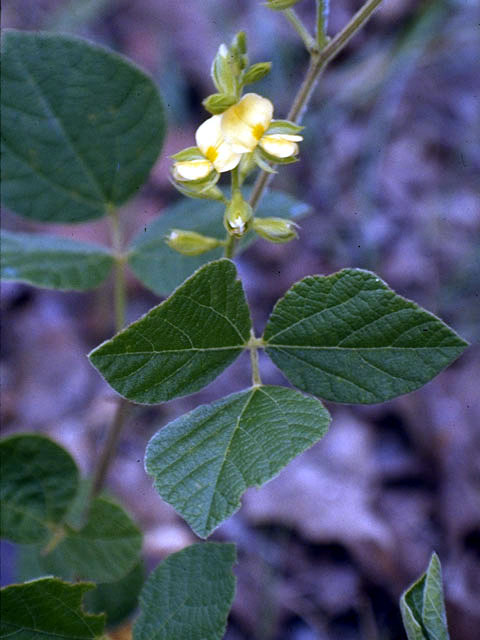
<point>301,29</point>
<point>230,246</point>
<point>253,347</point>
<point>318,62</point>
<point>123,407</point>
<point>323,9</point>
<point>119,275</point>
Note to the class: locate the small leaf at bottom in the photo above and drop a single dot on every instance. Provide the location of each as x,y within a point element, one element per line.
<point>47,609</point>
<point>189,595</point>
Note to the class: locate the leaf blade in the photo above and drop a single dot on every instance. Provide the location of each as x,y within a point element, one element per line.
<point>53,262</point>
<point>203,462</point>
<point>39,482</point>
<point>182,344</point>
<point>188,596</point>
<point>81,127</point>
<point>42,610</point>
<point>349,338</point>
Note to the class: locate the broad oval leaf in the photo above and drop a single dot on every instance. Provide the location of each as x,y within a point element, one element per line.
<point>422,606</point>
<point>105,549</point>
<point>47,609</point>
<point>161,269</point>
<point>182,344</point>
<point>189,595</point>
<point>204,461</point>
<point>52,261</point>
<point>81,127</point>
<point>349,338</point>
<point>39,483</point>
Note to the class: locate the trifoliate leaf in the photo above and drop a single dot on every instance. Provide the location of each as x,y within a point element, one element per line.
<point>423,608</point>
<point>53,262</point>
<point>39,483</point>
<point>161,269</point>
<point>182,344</point>
<point>189,595</point>
<point>349,338</point>
<point>47,609</point>
<point>204,461</point>
<point>81,127</point>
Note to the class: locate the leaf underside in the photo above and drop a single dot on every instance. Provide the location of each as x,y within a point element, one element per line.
<point>205,460</point>
<point>52,261</point>
<point>188,596</point>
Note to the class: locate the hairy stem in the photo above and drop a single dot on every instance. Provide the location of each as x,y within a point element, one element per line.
<point>253,347</point>
<point>318,62</point>
<point>123,407</point>
<point>230,246</point>
<point>323,10</point>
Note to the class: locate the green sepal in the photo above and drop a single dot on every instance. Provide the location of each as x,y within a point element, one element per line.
<point>284,126</point>
<point>256,72</point>
<point>218,103</point>
<point>190,153</point>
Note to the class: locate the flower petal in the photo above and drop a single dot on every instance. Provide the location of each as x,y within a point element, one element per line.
<point>226,159</point>
<point>280,145</point>
<point>209,134</point>
<point>244,123</point>
<point>192,169</point>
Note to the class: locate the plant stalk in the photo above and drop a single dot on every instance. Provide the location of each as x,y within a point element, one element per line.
<point>123,407</point>
<point>318,62</point>
<point>300,28</point>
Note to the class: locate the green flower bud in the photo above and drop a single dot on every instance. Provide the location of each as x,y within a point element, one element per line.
<point>224,71</point>
<point>279,5</point>
<point>218,102</point>
<point>237,215</point>
<point>240,42</point>
<point>190,243</point>
<point>256,72</point>
<point>275,229</point>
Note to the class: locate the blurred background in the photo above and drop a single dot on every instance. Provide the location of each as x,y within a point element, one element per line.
<point>390,166</point>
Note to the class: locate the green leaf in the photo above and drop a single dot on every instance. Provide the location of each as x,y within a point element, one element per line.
<point>349,338</point>
<point>161,269</point>
<point>105,549</point>
<point>81,127</point>
<point>119,599</point>
<point>39,482</point>
<point>53,262</point>
<point>422,606</point>
<point>182,344</point>
<point>189,595</point>
<point>204,461</point>
<point>47,609</point>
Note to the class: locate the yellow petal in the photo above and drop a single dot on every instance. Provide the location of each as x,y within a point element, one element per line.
<point>209,135</point>
<point>226,159</point>
<point>192,169</point>
<point>244,123</point>
<point>280,145</point>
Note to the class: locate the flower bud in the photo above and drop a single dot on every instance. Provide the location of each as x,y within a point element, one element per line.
<point>218,102</point>
<point>223,71</point>
<point>279,5</point>
<point>190,243</point>
<point>237,215</point>
<point>256,72</point>
<point>275,229</point>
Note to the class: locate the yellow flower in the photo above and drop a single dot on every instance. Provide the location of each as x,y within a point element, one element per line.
<point>245,125</point>
<point>214,153</point>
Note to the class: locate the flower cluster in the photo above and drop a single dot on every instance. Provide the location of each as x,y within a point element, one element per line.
<point>240,134</point>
